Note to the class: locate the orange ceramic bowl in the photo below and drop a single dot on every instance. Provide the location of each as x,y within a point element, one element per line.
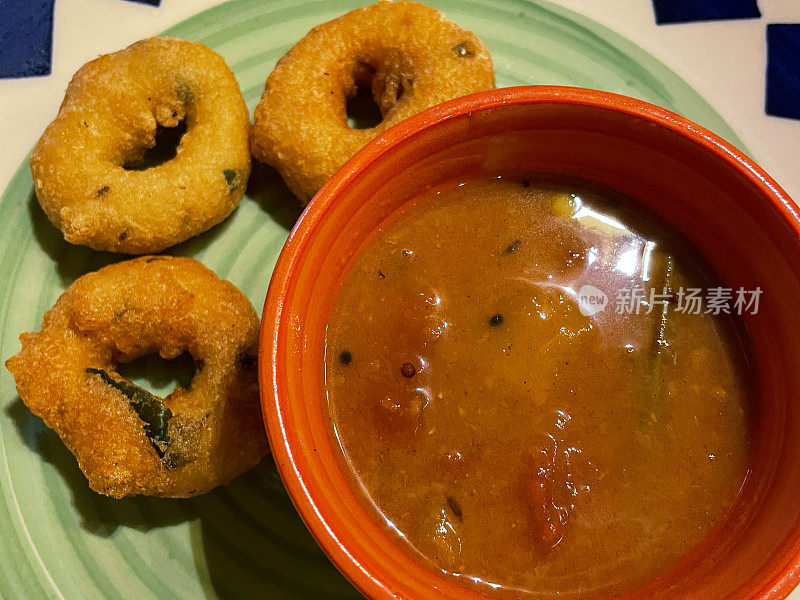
<point>733,212</point>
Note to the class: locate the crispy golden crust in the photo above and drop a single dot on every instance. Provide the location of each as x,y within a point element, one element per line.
<point>109,118</point>
<point>409,53</point>
<point>66,374</point>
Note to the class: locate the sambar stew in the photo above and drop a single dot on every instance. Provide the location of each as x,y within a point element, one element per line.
<point>509,438</point>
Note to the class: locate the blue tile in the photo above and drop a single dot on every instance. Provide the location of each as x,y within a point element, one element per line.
<point>783,70</point>
<point>26,37</point>
<point>683,11</point>
<point>151,2</point>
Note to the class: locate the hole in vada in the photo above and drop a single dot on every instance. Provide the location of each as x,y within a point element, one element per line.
<point>362,112</point>
<point>361,109</point>
<point>166,148</point>
<point>160,376</point>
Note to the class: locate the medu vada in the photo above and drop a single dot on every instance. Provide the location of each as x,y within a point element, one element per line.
<point>407,53</point>
<point>127,440</point>
<point>87,168</point>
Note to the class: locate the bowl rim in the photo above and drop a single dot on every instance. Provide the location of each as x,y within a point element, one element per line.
<point>361,575</point>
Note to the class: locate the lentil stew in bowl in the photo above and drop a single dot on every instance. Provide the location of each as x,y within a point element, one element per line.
<point>736,544</point>
<point>514,436</point>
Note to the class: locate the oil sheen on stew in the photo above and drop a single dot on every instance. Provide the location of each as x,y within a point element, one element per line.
<point>503,432</point>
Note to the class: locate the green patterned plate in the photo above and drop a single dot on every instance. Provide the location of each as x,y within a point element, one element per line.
<point>60,540</point>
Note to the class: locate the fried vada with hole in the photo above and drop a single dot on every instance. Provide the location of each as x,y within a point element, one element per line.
<point>87,168</point>
<point>407,53</point>
<point>128,441</point>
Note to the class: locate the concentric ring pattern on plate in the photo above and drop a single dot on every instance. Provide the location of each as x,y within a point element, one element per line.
<point>60,540</point>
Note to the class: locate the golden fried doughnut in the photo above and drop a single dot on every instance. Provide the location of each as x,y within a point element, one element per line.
<point>408,53</point>
<point>128,441</point>
<point>112,111</point>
